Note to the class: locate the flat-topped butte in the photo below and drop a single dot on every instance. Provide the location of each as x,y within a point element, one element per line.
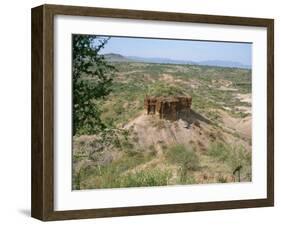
<point>168,107</point>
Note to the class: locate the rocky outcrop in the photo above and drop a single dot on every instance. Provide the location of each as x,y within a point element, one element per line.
<point>171,107</point>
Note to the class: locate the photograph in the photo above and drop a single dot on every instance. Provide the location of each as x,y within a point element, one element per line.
<point>160,112</point>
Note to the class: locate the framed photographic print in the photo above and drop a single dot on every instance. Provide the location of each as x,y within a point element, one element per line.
<point>141,112</point>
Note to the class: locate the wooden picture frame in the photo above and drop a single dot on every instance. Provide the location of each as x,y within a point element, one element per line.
<point>42,203</point>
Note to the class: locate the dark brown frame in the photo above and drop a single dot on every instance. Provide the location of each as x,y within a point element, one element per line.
<point>42,203</point>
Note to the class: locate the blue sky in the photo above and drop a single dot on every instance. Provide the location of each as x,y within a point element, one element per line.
<point>180,49</point>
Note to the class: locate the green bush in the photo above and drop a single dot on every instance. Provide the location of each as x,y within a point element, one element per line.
<point>186,158</point>
<point>219,151</point>
<point>112,175</point>
<point>187,161</point>
<point>233,156</point>
<point>240,157</point>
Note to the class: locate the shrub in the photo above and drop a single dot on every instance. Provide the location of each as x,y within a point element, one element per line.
<point>219,151</point>
<point>113,175</point>
<point>186,158</point>
<point>240,157</point>
<point>233,156</point>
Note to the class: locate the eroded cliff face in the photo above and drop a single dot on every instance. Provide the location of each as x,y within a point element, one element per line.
<point>171,107</point>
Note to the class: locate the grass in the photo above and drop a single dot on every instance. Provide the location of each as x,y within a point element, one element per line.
<point>134,81</point>
<point>233,156</point>
<point>111,175</point>
<point>219,151</point>
<point>186,160</point>
<point>164,89</point>
<point>130,89</point>
<point>148,177</point>
<point>185,176</point>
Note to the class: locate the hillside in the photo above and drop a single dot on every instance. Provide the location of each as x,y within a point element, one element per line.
<point>113,57</point>
<point>143,150</point>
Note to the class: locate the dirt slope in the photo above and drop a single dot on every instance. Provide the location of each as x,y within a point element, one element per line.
<point>197,131</point>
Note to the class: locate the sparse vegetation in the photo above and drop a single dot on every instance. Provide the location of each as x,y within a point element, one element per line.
<point>150,177</point>
<point>233,156</point>
<point>164,89</point>
<point>208,151</point>
<point>186,158</point>
<point>219,151</point>
<point>109,175</point>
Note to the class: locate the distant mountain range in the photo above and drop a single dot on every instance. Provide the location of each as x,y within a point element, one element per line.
<point>114,57</point>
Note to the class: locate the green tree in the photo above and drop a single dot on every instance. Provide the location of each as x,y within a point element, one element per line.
<point>92,80</point>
